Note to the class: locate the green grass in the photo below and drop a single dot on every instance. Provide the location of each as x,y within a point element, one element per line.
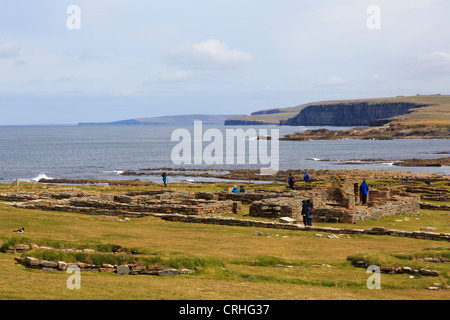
<point>231,262</point>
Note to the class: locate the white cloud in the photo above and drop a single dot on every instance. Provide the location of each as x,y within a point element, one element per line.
<point>332,80</point>
<point>435,61</point>
<point>9,50</point>
<point>429,64</point>
<point>209,54</point>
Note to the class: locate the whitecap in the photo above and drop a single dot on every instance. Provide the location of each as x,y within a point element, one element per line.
<point>40,176</point>
<point>118,172</point>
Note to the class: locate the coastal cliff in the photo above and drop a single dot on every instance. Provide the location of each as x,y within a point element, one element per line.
<point>407,110</point>
<point>350,114</point>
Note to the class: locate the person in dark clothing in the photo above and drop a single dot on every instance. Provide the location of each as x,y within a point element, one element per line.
<point>164,177</point>
<point>306,177</point>
<point>364,190</point>
<point>291,181</point>
<point>309,212</point>
<point>305,222</point>
<point>242,190</point>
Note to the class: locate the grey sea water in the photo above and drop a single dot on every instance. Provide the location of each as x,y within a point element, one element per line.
<point>102,152</point>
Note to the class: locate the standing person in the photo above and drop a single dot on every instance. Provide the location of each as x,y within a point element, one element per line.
<point>305,221</point>
<point>306,176</point>
<point>235,190</point>
<point>309,212</point>
<point>164,177</point>
<point>364,189</point>
<point>291,181</point>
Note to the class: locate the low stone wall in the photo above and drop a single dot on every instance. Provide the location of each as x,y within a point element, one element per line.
<point>128,269</point>
<point>398,270</point>
<point>130,205</point>
<point>338,204</point>
<point>432,206</point>
<point>287,226</point>
<point>333,215</point>
<point>18,248</point>
<point>390,207</point>
<point>254,195</point>
<point>276,208</point>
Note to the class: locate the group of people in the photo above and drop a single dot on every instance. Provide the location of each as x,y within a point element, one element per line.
<point>307,212</point>
<point>307,206</point>
<point>236,190</point>
<point>291,180</point>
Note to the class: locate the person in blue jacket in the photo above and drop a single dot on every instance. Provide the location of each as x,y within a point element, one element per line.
<point>235,190</point>
<point>242,190</point>
<point>306,176</point>
<point>364,190</point>
<point>309,212</point>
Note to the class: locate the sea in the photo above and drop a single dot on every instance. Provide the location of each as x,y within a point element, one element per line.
<point>30,153</point>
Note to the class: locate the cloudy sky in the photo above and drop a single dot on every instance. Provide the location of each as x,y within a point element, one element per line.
<point>136,58</point>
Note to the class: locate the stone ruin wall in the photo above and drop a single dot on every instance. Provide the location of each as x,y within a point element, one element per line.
<point>338,203</point>
<point>131,205</point>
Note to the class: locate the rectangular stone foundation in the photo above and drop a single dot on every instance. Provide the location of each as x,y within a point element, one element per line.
<point>337,203</point>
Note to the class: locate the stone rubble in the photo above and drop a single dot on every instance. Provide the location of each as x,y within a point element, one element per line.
<point>400,270</point>
<point>338,203</point>
<point>128,269</point>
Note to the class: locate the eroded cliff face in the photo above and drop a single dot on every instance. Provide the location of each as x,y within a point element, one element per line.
<point>350,114</point>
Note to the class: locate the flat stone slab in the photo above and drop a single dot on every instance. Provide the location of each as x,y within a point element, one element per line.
<point>168,272</point>
<point>124,270</point>
<point>287,220</point>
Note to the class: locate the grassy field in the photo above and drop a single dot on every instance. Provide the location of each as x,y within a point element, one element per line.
<point>233,263</point>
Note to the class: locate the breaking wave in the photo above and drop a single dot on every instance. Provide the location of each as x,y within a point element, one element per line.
<point>40,176</point>
<point>118,172</point>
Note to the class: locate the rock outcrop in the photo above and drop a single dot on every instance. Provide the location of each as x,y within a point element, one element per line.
<point>387,132</point>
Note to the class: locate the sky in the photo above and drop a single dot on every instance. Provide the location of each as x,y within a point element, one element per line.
<point>110,60</point>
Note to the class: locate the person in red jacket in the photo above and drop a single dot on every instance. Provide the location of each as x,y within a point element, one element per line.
<point>291,181</point>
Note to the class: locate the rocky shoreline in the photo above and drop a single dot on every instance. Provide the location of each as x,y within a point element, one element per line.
<point>424,162</point>
<point>254,175</point>
<point>388,132</point>
<point>413,162</point>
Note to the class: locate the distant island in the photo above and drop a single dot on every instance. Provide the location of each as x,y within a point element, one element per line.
<point>166,120</point>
